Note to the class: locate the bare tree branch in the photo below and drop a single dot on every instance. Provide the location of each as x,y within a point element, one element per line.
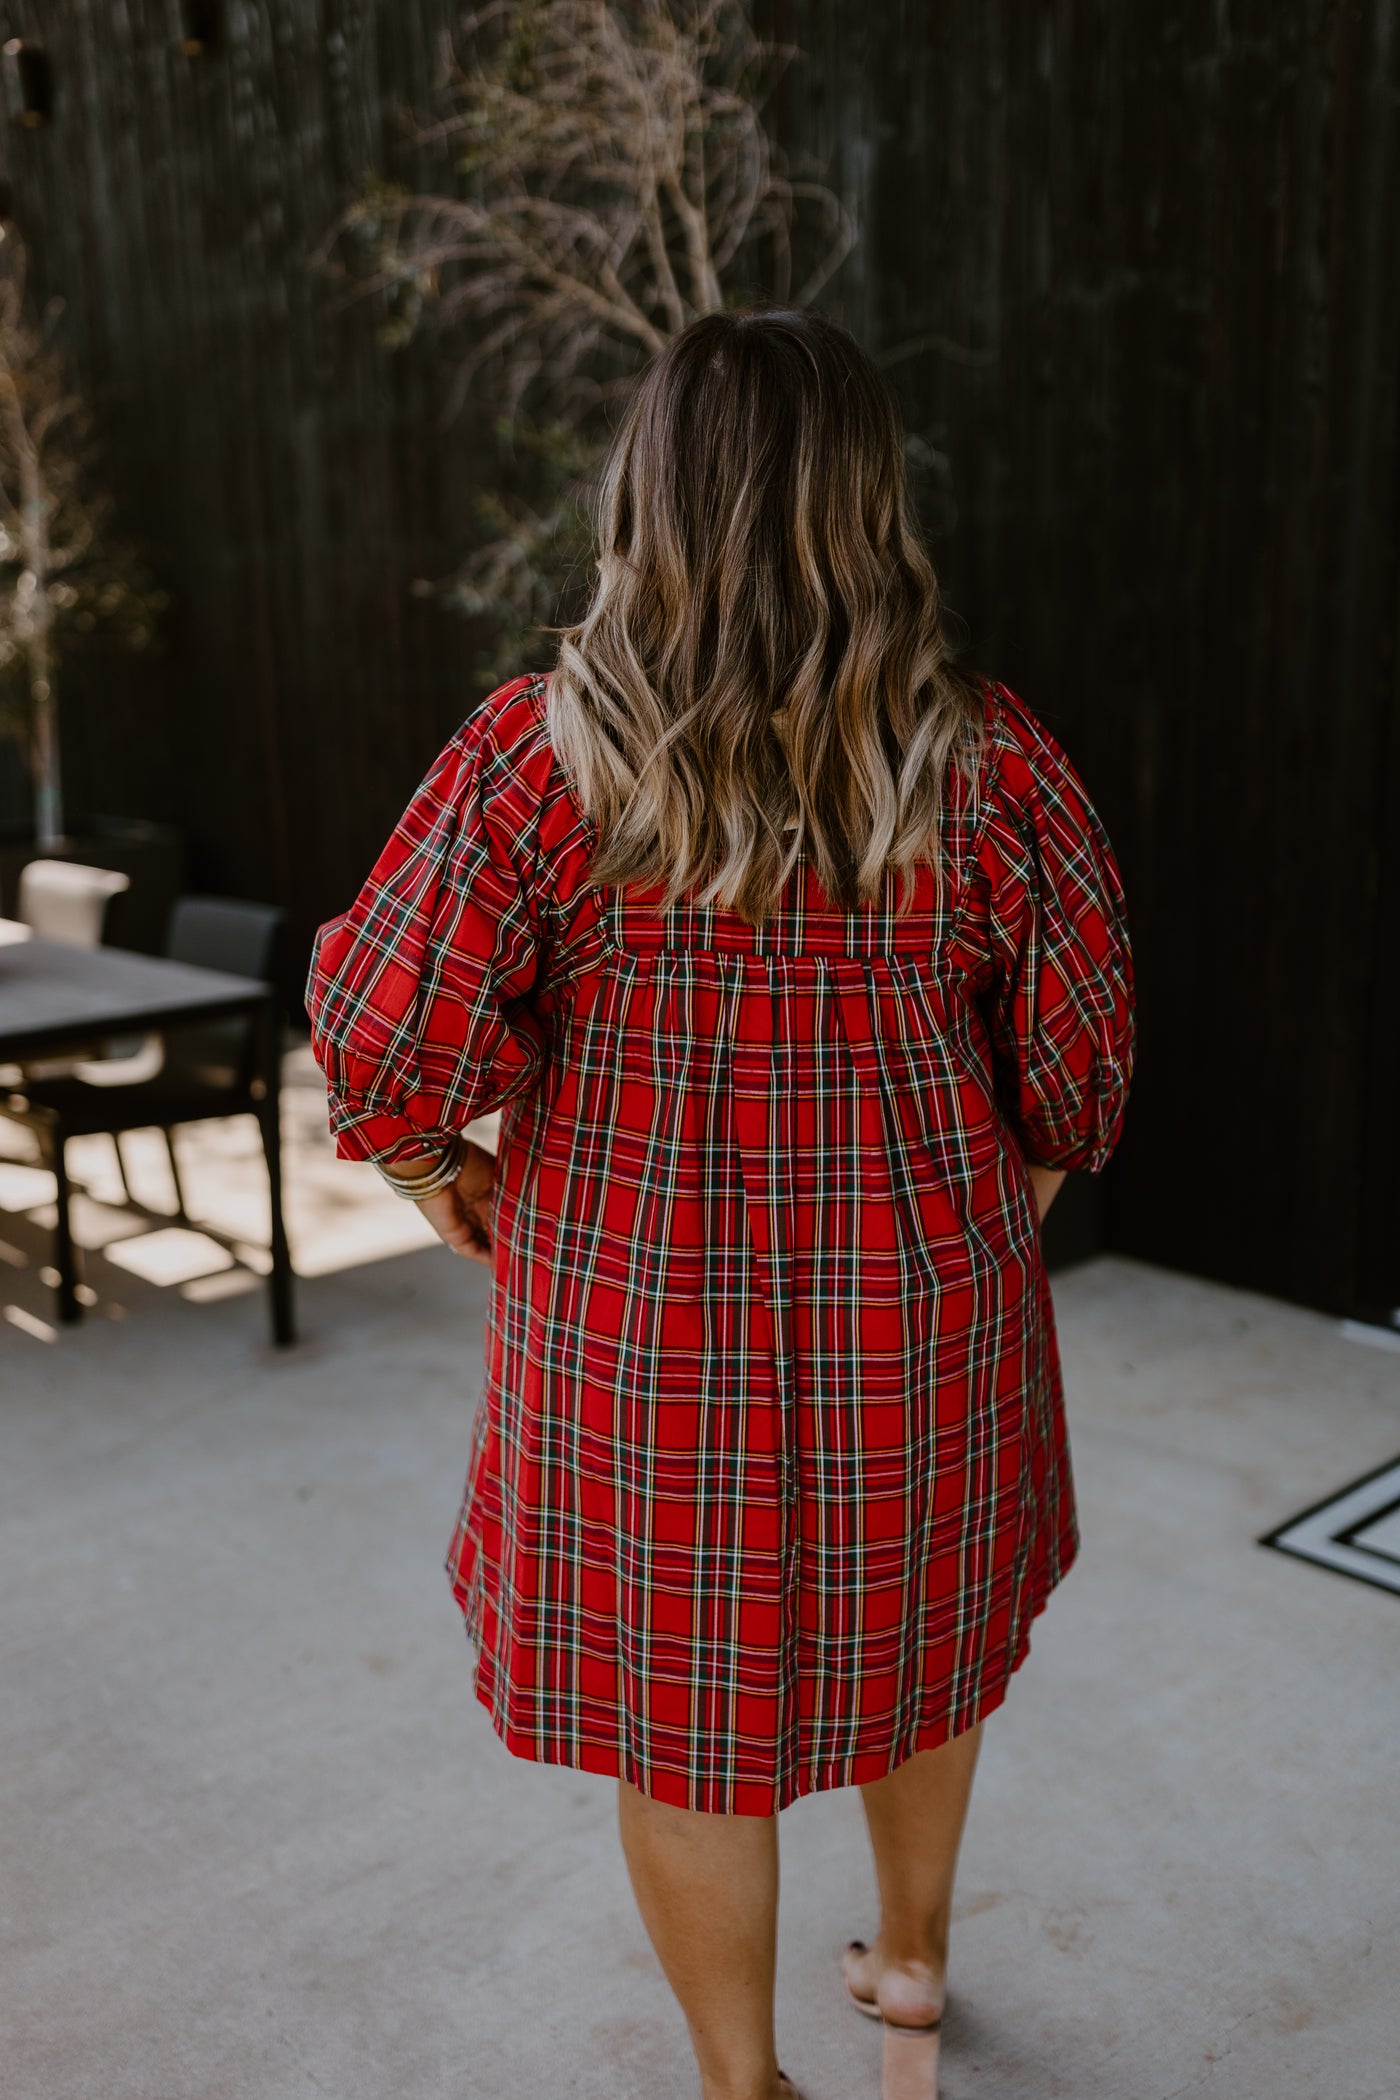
<point>617,178</point>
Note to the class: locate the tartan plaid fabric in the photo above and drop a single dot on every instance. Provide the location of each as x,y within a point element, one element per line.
<point>770,1473</point>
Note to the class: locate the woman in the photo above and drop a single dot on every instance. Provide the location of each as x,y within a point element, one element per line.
<point>797,964</point>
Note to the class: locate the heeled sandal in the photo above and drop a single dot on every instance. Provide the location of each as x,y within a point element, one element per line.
<point>910,2067</point>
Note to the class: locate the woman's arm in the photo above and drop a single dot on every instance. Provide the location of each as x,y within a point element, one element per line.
<point>1059,1001</point>
<point>460,1215</point>
<point>420,996</point>
<point>1046,1182</point>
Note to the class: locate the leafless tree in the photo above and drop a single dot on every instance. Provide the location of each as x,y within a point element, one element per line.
<point>617,179</point>
<point>63,575</point>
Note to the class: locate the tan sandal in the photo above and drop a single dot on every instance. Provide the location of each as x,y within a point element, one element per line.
<point>910,2069</point>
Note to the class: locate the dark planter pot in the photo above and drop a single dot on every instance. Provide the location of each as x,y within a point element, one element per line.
<point>153,855</point>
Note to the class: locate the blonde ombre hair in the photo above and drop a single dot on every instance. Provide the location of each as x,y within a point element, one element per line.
<point>761,675</point>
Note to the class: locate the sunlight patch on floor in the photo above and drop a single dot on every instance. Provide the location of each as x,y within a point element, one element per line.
<point>22,1187</point>
<point>339,1214</point>
<point>28,1323</point>
<point>170,1256</point>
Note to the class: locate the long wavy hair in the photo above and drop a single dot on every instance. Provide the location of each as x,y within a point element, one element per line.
<point>762,673</point>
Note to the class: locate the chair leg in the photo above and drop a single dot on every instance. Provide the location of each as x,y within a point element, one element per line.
<point>121,1166</point>
<point>180,1211</point>
<point>270,1125</point>
<point>65,1253</point>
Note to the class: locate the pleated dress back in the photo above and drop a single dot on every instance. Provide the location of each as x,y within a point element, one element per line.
<point>769,1474</point>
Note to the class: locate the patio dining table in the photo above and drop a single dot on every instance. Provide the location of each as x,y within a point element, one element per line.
<point>57,997</point>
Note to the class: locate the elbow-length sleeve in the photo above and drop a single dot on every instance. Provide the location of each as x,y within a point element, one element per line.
<point>418,994</point>
<point>1060,1006</point>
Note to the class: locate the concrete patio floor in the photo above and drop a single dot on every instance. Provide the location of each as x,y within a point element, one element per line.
<point>260,1841</point>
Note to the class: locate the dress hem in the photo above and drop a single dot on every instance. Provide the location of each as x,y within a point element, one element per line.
<point>675,1789</point>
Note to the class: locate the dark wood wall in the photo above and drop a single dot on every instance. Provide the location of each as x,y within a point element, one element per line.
<point>279,464</point>
<point>1152,251</point>
<point>1161,248</point>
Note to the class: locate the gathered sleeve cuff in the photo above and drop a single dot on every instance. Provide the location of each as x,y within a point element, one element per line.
<point>1060,1003</point>
<point>418,995</point>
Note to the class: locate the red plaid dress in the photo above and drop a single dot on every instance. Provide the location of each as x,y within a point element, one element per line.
<point>770,1471</point>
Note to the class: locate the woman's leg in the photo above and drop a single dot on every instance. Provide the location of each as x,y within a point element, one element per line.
<point>707,1889</point>
<point>916,1816</point>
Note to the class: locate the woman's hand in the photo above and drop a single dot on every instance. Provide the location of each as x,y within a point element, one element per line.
<point>461,1215</point>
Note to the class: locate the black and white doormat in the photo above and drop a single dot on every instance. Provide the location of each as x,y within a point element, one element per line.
<point>1355,1532</point>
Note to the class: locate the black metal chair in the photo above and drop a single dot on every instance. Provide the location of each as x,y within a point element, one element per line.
<point>209,1069</point>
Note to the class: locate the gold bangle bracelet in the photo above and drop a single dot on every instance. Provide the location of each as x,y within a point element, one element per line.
<point>418,1186</point>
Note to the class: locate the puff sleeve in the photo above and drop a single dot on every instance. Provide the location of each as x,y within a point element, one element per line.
<point>1059,1001</point>
<point>418,994</point>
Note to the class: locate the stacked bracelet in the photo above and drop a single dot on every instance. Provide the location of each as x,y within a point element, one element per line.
<point>418,1186</point>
